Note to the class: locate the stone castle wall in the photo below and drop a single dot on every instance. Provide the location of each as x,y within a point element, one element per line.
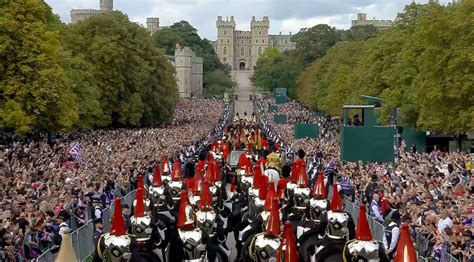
<point>380,24</point>
<point>241,49</point>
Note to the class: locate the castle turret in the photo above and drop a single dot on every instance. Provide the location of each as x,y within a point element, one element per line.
<point>183,64</point>
<point>152,24</point>
<point>259,31</point>
<point>225,40</point>
<point>106,5</point>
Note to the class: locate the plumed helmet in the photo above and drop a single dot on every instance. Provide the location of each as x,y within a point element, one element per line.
<point>141,222</point>
<point>117,242</point>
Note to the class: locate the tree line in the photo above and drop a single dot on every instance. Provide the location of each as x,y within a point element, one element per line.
<point>423,65</point>
<point>102,72</point>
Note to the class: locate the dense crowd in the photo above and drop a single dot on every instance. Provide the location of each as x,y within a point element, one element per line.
<point>430,191</point>
<point>43,186</point>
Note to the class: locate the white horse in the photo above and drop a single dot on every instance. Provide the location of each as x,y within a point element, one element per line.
<point>272,175</point>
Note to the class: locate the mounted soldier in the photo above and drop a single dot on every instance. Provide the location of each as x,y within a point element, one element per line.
<point>363,247</point>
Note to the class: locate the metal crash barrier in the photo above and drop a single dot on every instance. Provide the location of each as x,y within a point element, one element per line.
<point>422,244</point>
<point>82,237</point>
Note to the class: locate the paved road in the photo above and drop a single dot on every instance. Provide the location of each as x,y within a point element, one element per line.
<point>243,90</point>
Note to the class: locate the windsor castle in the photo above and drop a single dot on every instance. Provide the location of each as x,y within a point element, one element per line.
<point>241,49</point>
<point>238,49</point>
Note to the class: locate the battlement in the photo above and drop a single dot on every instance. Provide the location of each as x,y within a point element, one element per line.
<point>152,24</point>
<point>362,20</point>
<point>107,5</point>
<point>227,23</point>
<point>183,51</point>
<point>78,15</point>
<point>265,23</point>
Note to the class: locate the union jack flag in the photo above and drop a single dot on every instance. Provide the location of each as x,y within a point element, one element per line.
<point>76,152</point>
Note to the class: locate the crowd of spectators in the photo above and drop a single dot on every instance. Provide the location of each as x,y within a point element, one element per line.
<point>43,187</point>
<point>433,192</point>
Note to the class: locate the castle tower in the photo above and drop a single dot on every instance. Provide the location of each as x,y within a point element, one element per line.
<point>152,24</point>
<point>259,31</point>
<point>225,40</point>
<point>183,64</point>
<point>106,5</point>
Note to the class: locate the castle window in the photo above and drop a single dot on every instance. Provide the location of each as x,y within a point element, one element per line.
<point>225,50</point>
<point>242,41</point>
<point>225,32</point>
<point>227,40</point>
<point>259,50</point>
<point>260,33</point>
<point>263,41</point>
<point>256,41</point>
<point>250,51</point>
<point>225,59</point>
<point>222,41</point>
<point>242,51</point>
<point>286,42</point>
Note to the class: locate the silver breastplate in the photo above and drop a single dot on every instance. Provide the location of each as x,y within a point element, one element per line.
<point>338,225</point>
<point>367,250</point>
<point>194,201</point>
<point>117,248</point>
<point>175,189</point>
<point>266,248</point>
<point>317,208</point>
<point>157,195</point>
<point>192,244</point>
<point>141,227</point>
<point>206,221</point>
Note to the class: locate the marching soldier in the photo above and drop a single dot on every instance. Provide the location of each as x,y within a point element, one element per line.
<point>363,247</point>
<point>340,228</point>
<point>310,230</point>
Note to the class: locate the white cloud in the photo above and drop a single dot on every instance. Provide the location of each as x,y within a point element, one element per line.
<point>285,15</point>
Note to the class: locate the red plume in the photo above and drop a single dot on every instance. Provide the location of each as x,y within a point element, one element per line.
<point>291,254</point>
<point>177,174</point>
<point>232,185</point>
<point>262,190</point>
<point>217,172</point>
<point>405,249</point>
<point>242,160</point>
<point>363,229</point>
<point>210,158</point>
<point>336,204</point>
<point>273,224</point>
<point>139,206</point>
<point>164,164</point>
<point>294,172</point>
<point>182,210</point>
<point>197,181</point>
<point>205,202</point>
<point>209,174</point>
<point>319,190</point>
<point>157,176</point>
<point>302,177</point>
<point>118,223</point>
<point>248,170</point>
<point>270,195</point>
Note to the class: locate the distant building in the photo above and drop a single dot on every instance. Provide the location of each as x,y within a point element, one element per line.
<point>380,24</point>
<point>78,15</point>
<point>189,72</point>
<point>241,49</point>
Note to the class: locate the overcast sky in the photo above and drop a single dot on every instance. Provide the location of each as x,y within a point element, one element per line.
<point>285,15</point>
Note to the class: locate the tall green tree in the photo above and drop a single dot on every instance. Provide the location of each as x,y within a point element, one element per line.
<point>423,65</point>
<point>135,81</point>
<point>35,94</point>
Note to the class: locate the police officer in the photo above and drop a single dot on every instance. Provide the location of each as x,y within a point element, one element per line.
<point>391,234</point>
<point>99,226</point>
